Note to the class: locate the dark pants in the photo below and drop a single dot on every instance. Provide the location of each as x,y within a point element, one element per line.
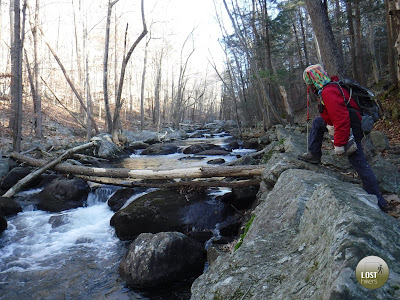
<point>357,159</point>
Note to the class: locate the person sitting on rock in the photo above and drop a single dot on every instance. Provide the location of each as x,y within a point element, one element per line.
<point>343,123</point>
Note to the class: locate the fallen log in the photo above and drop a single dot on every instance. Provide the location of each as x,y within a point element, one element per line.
<point>192,183</point>
<point>44,167</point>
<point>195,172</point>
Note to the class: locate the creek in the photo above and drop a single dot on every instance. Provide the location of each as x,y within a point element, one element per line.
<point>75,254</point>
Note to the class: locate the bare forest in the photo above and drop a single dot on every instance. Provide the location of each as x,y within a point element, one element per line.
<point>114,65</point>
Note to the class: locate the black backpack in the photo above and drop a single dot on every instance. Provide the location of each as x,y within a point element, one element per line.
<point>370,108</point>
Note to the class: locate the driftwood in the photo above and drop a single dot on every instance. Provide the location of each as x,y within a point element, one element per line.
<point>44,167</point>
<point>167,184</point>
<point>195,172</point>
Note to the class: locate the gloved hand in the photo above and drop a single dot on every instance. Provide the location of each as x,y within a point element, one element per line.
<point>339,150</point>
<point>331,129</point>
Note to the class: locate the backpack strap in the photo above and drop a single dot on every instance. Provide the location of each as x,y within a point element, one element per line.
<point>346,101</point>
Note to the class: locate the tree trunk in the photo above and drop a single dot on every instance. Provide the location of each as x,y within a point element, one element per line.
<point>390,19</point>
<point>371,46</point>
<point>142,86</point>
<point>118,101</point>
<point>394,12</point>
<point>105,66</point>
<point>359,46</point>
<point>37,97</point>
<point>195,172</point>
<point>169,184</point>
<point>332,58</point>
<point>16,71</point>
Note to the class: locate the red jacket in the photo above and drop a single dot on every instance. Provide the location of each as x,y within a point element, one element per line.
<point>335,111</point>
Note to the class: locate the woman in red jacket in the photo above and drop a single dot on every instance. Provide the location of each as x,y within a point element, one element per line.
<point>339,114</point>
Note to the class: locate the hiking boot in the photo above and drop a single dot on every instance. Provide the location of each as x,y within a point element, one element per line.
<point>383,208</point>
<point>309,157</point>
<point>350,148</point>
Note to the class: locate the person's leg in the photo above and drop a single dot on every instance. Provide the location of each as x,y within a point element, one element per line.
<point>367,176</point>
<point>316,137</point>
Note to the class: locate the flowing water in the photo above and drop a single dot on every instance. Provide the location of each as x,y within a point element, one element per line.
<point>73,254</point>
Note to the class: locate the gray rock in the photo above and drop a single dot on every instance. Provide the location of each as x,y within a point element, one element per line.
<point>387,175</point>
<point>379,140</point>
<point>307,237</point>
<point>160,149</point>
<point>4,166</point>
<point>162,258</point>
<point>14,176</point>
<point>62,194</point>
<point>166,210</point>
<point>9,207</point>
<point>106,148</point>
<point>3,224</point>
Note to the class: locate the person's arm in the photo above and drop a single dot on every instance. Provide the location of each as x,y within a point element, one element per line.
<point>338,114</point>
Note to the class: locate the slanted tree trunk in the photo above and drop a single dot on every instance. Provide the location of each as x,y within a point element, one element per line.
<point>71,84</point>
<point>331,56</point>
<point>24,181</point>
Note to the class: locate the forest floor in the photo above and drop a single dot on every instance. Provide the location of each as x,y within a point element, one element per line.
<point>62,129</point>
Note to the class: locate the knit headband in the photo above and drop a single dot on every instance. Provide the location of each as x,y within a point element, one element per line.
<point>316,75</point>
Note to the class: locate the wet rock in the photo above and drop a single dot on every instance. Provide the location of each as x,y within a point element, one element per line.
<point>233,145</point>
<point>120,197</point>
<point>63,194</point>
<point>3,224</point>
<point>9,207</point>
<point>57,221</point>
<point>197,148</point>
<point>217,161</point>
<point>160,149</point>
<point>14,176</point>
<point>214,152</point>
<point>251,144</point>
<point>166,210</point>
<point>162,258</point>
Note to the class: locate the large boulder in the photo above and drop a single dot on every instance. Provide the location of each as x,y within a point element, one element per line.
<point>14,176</point>
<point>119,198</point>
<point>166,210</point>
<point>162,258</point>
<point>308,235</point>
<point>62,194</point>
<point>106,148</point>
<point>9,207</point>
<point>160,149</point>
<point>4,166</point>
<point>3,224</point>
<point>197,148</point>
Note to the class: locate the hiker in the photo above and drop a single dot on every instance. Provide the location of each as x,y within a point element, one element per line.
<point>343,123</point>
